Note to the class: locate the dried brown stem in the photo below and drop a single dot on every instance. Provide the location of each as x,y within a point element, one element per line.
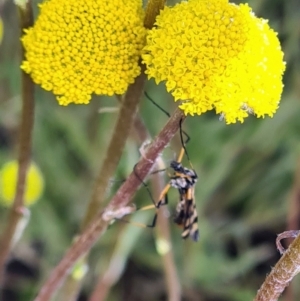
<point>123,196</point>
<point>282,274</point>
<point>25,132</point>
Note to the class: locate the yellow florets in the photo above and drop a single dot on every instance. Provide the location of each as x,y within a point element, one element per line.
<point>216,55</point>
<point>78,48</point>
<point>8,180</point>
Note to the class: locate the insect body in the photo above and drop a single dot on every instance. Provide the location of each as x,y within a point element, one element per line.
<point>186,214</point>
<point>184,179</point>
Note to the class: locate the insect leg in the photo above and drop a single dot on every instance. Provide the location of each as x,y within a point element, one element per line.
<point>162,200</point>
<point>183,143</point>
<point>157,105</point>
<point>183,149</point>
<point>182,132</point>
<point>153,224</point>
<point>145,185</point>
<point>169,115</point>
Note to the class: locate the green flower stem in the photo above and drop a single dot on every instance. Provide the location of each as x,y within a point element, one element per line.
<point>123,196</point>
<point>115,149</point>
<point>152,11</point>
<point>25,132</point>
<point>282,274</point>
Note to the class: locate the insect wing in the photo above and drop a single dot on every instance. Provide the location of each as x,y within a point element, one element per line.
<point>180,216</point>
<point>186,214</point>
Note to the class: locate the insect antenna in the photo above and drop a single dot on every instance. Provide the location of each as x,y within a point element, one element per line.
<point>182,132</point>
<point>157,105</point>
<point>183,144</point>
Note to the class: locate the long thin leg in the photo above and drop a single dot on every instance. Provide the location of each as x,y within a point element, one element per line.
<point>153,224</point>
<point>183,143</point>
<point>145,185</point>
<point>182,132</point>
<point>163,197</point>
<point>157,171</point>
<point>140,224</point>
<point>151,207</point>
<point>157,105</point>
<point>161,200</point>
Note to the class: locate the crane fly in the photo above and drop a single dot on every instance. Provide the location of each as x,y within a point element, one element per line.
<point>183,179</point>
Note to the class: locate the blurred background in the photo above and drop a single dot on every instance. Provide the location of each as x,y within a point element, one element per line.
<point>247,193</point>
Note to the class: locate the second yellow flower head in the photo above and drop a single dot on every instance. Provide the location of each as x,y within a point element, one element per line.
<point>213,54</point>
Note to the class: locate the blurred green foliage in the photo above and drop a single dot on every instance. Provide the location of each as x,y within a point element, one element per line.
<point>246,174</point>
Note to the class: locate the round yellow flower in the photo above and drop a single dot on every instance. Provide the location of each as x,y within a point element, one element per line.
<point>213,54</point>
<point>8,180</point>
<point>76,49</point>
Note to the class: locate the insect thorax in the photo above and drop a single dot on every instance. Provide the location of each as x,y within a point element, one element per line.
<point>183,177</point>
<point>187,172</point>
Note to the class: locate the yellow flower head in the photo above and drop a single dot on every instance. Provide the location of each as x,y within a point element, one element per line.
<point>8,180</point>
<point>78,48</point>
<point>213,54</point>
